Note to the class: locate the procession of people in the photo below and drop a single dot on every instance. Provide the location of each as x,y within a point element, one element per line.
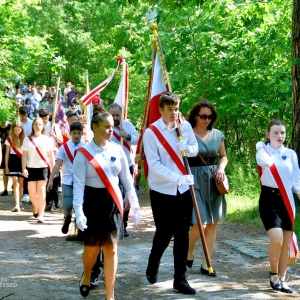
<point>96,170</point>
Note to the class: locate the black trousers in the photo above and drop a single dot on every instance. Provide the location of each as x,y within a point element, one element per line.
<point>52,195</point>
<point>172,215</point>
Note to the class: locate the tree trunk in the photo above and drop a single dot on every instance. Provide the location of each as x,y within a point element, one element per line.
<point>295,142</point>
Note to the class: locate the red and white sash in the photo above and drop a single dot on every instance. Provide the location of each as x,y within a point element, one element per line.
<point>67,149</point>
<point>178,162</point>
<point>112,187</point>
<point>39,152</point>
<point>13,147</point>
<point>288,199</point>
<point>125,144</point>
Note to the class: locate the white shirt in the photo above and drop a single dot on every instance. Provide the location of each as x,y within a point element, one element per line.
<point>130,129</point>
<point>27,127</point>
<point>289,166</point>
<point>57,131</point>
<point>67,166</point>
<point>44,144</point>
<point>163,172</point>
<point>85,174</point>
<point>11,149</point>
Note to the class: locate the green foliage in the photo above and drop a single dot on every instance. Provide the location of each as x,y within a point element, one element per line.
<point>234,53</point>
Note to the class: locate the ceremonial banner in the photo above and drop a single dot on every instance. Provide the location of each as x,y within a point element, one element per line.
<point>61,120</point>
<point>87,99</point>
<point>158,84</point>
<point>122,95</point>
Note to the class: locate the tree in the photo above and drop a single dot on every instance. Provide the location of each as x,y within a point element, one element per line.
<point>295,142</point>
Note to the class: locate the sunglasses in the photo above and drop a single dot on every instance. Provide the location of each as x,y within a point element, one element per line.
<point>205,117</point>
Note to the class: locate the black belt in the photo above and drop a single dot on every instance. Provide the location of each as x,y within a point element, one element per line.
<point>270,189</point>
<point>197,161</point>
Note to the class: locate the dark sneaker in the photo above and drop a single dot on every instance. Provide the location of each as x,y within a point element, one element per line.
<point>180,285</point>
<point>65,227</point>
<point>58,204</point>
<point>152,271</point>
<point>94,279</point>
<point>126,234</point>
<point>48,207</point>
<point>4,193</point>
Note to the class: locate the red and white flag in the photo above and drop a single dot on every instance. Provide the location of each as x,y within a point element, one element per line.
<point>87,99</point>
<point>158,87</point>
<point>122,95</point>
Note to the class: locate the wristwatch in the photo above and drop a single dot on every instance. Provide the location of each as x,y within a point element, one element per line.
<point>128,137</point>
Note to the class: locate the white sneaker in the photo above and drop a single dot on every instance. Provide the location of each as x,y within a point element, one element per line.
<point>25,198</point>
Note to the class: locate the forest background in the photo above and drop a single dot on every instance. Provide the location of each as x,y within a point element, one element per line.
<point>234,53</point>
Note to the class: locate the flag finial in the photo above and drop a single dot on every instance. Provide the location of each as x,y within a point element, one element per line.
<point>153,26</point>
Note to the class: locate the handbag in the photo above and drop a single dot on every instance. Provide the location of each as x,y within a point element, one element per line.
<point>223,187</point>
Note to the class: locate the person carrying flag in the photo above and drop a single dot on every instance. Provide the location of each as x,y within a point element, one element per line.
<point>125,130</point>
<point>171,201</point>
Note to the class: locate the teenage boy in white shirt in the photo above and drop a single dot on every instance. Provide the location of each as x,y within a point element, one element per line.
<point>170,197</point>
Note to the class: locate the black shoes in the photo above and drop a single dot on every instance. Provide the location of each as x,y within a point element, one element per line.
<point>94,280</point>
<point>205,272</point>
<point>285,289</point>
<point>180,285</point>
<point>65,227</point>
<point>274,281</point>
<point>58,204</point>
<point>152,271</point>
<point>48,207</point>
<point>84,289</point>
<point>35,215</point>
<point>126,234</point>
<point>4,193</point>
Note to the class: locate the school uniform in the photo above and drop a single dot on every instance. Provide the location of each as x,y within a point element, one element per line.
<point>171,203</point>
<point>67,175</point>
<point>36,166</point>
<point>104,215</point>
<point>14,160</point>
<point>274,211</point>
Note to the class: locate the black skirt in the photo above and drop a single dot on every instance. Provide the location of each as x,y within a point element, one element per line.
<point>14,165</point>
<point>37,174</point>
<point>272,210</point>
<point>2,166</point>
<point>104,222</point>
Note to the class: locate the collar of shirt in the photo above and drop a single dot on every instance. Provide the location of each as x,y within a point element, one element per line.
<point>163,125</point>
<point>278,151</point>
<point>97,148</point>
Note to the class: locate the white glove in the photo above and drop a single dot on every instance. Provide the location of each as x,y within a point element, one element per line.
<point>134,206</point>
<point>186,179</point>
<point>183,146</point>
<point>80,217</point>
<point>260,145</point>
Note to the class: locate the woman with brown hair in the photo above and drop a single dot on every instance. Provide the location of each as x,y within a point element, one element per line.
<point>98,203</point>
<point>37,163</point>
<point>212,204</point>
<point>13,161</point>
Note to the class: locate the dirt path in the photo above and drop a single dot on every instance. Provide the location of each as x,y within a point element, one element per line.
<point>37,262</point>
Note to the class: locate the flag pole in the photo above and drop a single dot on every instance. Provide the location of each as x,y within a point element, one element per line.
<point>87,89</point>
<point>55,102</point>
<point>123,96</point>
<point>154,28</point>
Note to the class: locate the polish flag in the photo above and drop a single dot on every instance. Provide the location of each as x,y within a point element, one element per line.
<point>158,87</point>
<point>87,99</point>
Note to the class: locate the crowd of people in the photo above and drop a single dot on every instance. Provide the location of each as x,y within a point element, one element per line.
<point>98,160</point>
